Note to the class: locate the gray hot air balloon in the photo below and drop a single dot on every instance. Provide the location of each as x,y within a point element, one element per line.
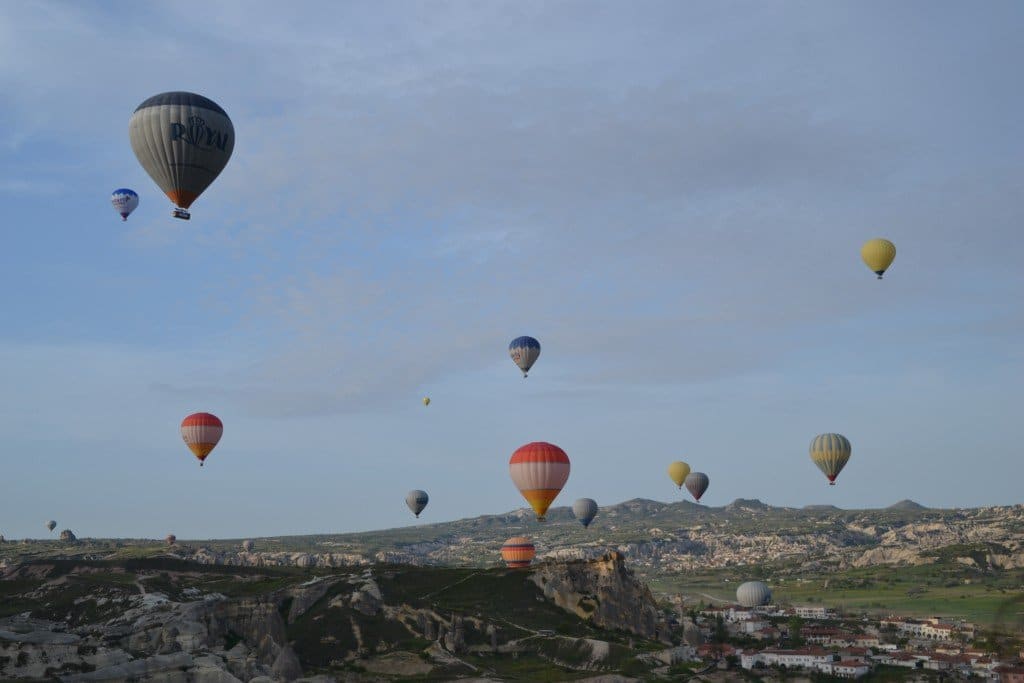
<point>753,594</point>
<point>416,500</point>
<point>184,141</point>
<point>247,546</point>
<point>51,525</point>
<point>696,483</point>
<point>585,509</point>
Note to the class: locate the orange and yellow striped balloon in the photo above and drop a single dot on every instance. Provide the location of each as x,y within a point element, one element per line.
<point>201,432</point>
<point>518,552</point>
<point>539,470</point>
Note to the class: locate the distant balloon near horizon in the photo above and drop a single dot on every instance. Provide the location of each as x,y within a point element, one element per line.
<point>124,201</point>
<point>426,400</point>
<point>678,472</point>
<point>878,255</point>
<point>416,500</point>
<point>831,452</point>
<point>585,510</point>
<point>539,470</point>
<point>524,352</point>
<point>171,539</point>
<point>201,432</point>
<point>51,525</point>
<point>753,594</point>
<point>247,546</point>
<point>183,141</point>
<point>518,552</point>
<point>696,483</point>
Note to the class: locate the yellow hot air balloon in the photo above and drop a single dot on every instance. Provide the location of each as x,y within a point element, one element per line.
<point>831,452</point>
<point>426,400</point>
<point>878,254</point>
<point>677,471</point>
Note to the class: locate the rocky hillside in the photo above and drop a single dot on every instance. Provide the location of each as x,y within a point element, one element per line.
<point>163,619</point>
<point>658,538</point>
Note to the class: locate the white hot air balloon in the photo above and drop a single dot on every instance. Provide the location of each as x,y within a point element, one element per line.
<point>124,202</point>
<point>183,141</point>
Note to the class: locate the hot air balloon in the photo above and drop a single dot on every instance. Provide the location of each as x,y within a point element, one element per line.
<point>247,546</point>
<point>677,472</point>
<point>878,254</point>
<point>518,552</point>
<point>830,452</point>
<point>696,483</point>
<point>125,201</point>
<point>524,352</point>
<point>183,141</point>
<point>585,510</point>
<point>51,525</point>
<point>171,539</point>
<point>426,400</point>
<point>417,500</point>
<point>201,432</point>
<point>539,470</point>
<point>753,594</point>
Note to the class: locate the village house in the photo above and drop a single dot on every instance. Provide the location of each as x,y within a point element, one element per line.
<point>847,669</point>
<point>813,612</point>
<point>812,658</point>
<point>1010,674</point>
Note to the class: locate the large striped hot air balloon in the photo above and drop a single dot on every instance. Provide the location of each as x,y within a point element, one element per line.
<point>201,432</point>
<point>518,552</point>
<point>677,472</point>
<point>696,483</point>
<point>878,255</point>
<point>524,352</point>
<point>831,452</point>
<point>184,141</point>
<point>539,470</point>
<point>753,594</point>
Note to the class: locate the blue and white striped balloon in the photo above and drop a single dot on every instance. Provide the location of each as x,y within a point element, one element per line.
<point>125,201</point>
<point>524,352</point>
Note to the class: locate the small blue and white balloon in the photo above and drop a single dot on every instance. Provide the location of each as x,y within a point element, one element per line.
<point>524,352</point>
<point>125,201</point>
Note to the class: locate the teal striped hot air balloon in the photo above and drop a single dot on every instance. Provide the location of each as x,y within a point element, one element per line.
<point>831,452</point>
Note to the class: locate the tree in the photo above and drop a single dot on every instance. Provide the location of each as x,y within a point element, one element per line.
<point>795,626</point>
<point>721,632</point>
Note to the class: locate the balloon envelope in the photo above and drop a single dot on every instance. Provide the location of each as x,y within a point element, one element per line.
<point>677,472</point>
<point>753,594</point>
<point>831,452</point>
<point>878,255</point>
<point>183,141</point>
<point>518,551</point>
<point>585,510</point>
<point>124,201</point>
<point>524,352</point>
<point>201,433</point>
<point>51,525</point>
<point>171,539</point>
<point>417,500</point>
<point>247,546</point>
<point>539,470</point>
<point>696,484</point>
<point>426,400</point>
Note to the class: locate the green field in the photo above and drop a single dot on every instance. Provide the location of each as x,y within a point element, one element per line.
<point>991,600</point>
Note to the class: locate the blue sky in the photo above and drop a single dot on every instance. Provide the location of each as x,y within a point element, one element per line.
<point>670,196</point>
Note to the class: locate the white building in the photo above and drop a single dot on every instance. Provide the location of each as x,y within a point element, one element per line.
<point>813,612</point>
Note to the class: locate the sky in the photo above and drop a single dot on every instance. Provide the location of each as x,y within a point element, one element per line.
<point>670,196</point>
